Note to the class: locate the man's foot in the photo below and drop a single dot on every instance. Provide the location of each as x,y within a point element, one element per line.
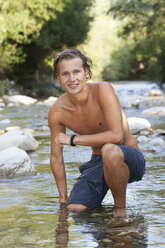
<point>120,212</point>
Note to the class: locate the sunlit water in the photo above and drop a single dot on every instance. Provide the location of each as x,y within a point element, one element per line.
<point>30,215</point>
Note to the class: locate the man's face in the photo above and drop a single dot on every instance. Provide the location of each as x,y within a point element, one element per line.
<point>71,75</point>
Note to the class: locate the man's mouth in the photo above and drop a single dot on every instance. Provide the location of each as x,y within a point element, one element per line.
<point>73,86</point>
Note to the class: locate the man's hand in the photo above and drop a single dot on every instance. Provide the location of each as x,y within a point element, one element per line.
<point>62,139</point>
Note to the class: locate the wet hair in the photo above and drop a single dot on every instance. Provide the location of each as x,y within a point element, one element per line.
<point>71,54</point>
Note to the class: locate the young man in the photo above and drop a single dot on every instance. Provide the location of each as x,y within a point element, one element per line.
<point>94,113</point>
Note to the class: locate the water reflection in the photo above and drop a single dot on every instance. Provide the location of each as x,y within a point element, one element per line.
<point>98,228</point>
<point>61,232</point>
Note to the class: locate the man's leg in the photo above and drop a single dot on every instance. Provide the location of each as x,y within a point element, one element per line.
<point>77,207</point>
<point>116,175</point>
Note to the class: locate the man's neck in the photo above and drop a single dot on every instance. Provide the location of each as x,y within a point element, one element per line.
<point>81,98</point>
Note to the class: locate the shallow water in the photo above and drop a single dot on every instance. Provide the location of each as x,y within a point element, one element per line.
<point>30,215</point>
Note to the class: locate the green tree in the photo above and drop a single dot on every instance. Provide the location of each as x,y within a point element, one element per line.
<point>30,30</point>
<point>102,38</point>
<point>144,27</point>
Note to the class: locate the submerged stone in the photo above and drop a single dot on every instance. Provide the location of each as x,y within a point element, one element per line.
<point>120,239</point>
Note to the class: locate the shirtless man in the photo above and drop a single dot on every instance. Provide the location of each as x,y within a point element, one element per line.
<point>94,113</point>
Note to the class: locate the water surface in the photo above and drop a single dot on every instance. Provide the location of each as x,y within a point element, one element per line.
<point>31,216</point>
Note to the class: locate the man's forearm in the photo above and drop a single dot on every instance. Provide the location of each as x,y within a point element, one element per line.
<point>99,139</point>
<point>59,174</point>
<point>94,140</point>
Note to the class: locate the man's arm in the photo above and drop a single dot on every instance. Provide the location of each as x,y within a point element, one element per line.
<point>113,116</point>
<point>56,155</point>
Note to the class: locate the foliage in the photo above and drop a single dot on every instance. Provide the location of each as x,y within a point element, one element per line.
<point>119,65</point>
<point>102,38</point>
<point>31,30</point>
<point>143,23</point>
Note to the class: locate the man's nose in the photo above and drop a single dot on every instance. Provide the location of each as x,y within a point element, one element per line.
<point>71,77</point>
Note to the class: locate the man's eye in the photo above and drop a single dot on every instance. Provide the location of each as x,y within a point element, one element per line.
<point>65,74</point>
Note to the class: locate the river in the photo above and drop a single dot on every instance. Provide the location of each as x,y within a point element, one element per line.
<point>31,216</point>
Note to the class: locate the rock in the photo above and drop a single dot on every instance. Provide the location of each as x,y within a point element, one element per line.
<point>151,144</point>
<point>15,162</point>
<point>129,103</point>
<point>2,131</point>
<point>146,132</point>
<point>119,222</point>
<point>29,130</point>
<point>134,232</point>
<point>49,102</point>
<point>11,128</point>
<point>45,128</point>
<point>19,139</point>
<point>159,132</point>
<point>138,124</point>
<point>5,121</point>
<point>156,92</point>
<point>156,142</point>
<point>142,139</point>
<point>154,111</point>
<point>163,87</point>
<point>2,105</point>
<point>19,100</point>
<point>120,239</point>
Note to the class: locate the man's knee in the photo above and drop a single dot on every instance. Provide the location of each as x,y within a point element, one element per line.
<point>77,207</point>
<point>111,153</point>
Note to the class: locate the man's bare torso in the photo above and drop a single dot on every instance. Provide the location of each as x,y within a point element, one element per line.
<point>88,118</point>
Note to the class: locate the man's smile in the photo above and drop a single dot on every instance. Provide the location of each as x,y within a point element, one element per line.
<point>73,85</point>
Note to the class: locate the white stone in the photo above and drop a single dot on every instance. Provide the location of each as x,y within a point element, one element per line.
<point>11,128</point>
<point>156,92</point>
<point>19,139</point>
<point>5,121</point>
<point>15,162</point>
<point>45,128</point>
<point>154,111</point>
<point>142,139</point>
<point>19,99</point>
<point>48,102</point>
<point>137,124</point>
<point>2,104</point>
<point>156,142</point>
<point>29,130</point>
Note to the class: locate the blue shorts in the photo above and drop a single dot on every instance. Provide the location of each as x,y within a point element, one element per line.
<point>91,188</point>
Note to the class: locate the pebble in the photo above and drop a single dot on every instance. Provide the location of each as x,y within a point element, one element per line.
<point>120,223</point>
<point>120,239</point>
<point>128,232</point>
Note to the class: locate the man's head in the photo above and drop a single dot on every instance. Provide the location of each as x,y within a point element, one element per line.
<point>71,54</point>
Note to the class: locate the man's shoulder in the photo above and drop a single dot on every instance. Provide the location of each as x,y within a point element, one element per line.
<point>55,111</point>
<point>100,84</point>
<point>101,87</point>
<point>57,105</point>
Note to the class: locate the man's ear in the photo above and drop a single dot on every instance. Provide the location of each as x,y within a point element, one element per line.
<point>87,73</point>
<point>58,79</point>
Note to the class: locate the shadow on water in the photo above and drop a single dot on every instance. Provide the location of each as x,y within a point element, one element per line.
<point>98,228</point>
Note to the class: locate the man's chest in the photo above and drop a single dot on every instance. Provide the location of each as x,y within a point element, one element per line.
<point>87,121</point>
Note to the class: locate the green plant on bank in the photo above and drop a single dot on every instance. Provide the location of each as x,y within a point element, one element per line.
<point>120,65</point>
<point>143,24</point>
<point>4,87</point>
<point>101,39</point>
<point>31,30</point>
